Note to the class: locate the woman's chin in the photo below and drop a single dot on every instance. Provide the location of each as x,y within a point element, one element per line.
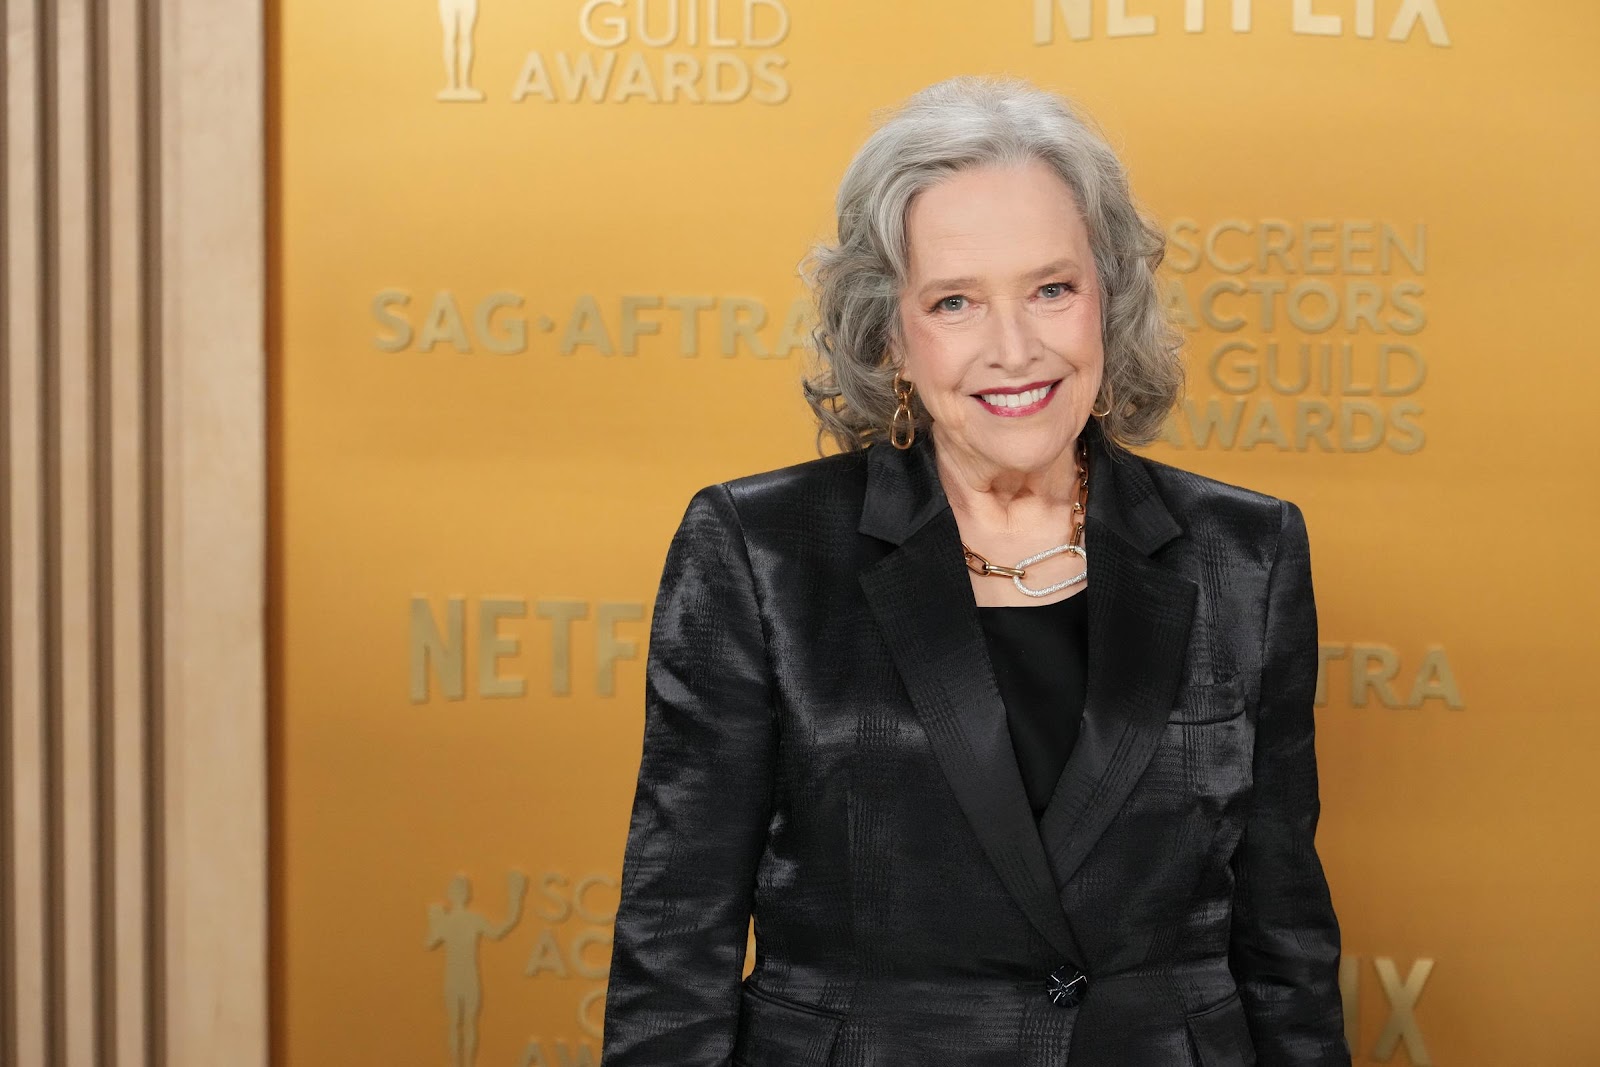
<point>1024,457</point>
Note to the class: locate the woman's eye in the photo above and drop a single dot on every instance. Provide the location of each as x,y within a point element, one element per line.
<point>952,303</point>
<point>1054,290</point>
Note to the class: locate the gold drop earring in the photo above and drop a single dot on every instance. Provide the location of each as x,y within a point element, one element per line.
<point>902,414</point>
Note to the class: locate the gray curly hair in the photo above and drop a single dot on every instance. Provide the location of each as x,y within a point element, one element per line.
<point>948,127</point>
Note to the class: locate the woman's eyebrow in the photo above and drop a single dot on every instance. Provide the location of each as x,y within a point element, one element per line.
<point>946,283</point>
<point>1055,267</point>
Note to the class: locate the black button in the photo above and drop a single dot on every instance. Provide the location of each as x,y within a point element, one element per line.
<point>1067,986</point>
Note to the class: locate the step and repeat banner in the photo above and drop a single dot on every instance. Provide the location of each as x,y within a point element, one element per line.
<point>536,283</point>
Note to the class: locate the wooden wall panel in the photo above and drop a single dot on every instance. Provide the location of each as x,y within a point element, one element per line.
<point>213,387</point>
<point>123,200</point>
<point>26,963</point>
<point>132,530</point>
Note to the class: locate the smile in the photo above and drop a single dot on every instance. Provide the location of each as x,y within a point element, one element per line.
<point>1023,402</point>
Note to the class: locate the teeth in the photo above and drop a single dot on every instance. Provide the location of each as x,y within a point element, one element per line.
<point>1015,400</point>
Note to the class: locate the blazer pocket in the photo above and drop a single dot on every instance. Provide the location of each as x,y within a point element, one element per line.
<point>775,1031</point>
<point>1221,1035</point>
<point>1211,702</point>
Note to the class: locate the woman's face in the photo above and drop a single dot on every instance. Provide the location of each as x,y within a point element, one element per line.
<point>1001,316</point>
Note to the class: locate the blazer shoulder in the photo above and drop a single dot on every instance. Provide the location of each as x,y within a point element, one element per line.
<point>827,484</point>
<point>1199,499</point>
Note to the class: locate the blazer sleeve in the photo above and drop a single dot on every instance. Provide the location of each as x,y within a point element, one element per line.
<point>701,807</point>
<point>1284,950</point>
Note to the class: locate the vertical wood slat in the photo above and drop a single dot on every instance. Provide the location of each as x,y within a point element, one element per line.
<point>126,322</point>
<point>72,582</point>
<point>214,725</point>
<point>152,140</point>
<point>27,1012</point>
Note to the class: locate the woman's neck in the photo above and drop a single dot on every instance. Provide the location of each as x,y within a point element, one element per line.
<point>994,497</point>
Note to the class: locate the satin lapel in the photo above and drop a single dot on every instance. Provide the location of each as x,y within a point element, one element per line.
<point>923,603</point>
<point>1139,625</point>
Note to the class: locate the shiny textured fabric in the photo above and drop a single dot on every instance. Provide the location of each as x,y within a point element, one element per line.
<point>825,747</point>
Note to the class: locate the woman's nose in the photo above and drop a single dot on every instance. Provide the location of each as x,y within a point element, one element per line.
<point>1011,340</point>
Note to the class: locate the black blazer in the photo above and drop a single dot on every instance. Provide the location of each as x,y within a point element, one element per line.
<point>825,747</point>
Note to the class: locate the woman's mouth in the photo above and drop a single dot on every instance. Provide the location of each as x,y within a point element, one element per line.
<point>1016,403</point>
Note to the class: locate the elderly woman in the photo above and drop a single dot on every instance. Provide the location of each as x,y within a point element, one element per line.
<point>984,809</point>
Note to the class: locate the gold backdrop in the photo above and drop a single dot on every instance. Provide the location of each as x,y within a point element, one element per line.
<point>535,283</point>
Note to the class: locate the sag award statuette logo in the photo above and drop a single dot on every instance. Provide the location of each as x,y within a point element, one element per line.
<point>460,931</point>
<point>696,51</point>
<point>460,18</point>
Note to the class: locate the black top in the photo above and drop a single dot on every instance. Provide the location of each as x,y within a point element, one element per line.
<point>1041,660</point>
